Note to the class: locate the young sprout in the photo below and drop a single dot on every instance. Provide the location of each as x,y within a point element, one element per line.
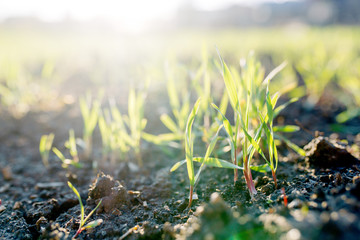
<point>84,219</point>
<point>241,120</point>
<point>135,121</point>
<point>115,138</point>
<point>90,112</point>
<point>45,145</point>
<point>180,107</point>
<point>122,133</point>
<point>189,154</point>
<point>71,145</point>
<point>189,148</point>
<point>254,113</point>
<point>66,161</point>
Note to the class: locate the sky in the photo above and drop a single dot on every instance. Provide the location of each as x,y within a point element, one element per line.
<point>134,13</point>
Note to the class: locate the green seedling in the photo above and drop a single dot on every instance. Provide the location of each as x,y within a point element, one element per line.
<point>241,121</point>
<point>202,85</point>
<point>111,136</point>
<point>115,138</point>
<point>84,219</point>
<point>45,145</point>
<point>71,146</point>
<point>66,162</point>
<point>268,121</point>
<point>189,153</point>
<point>180,107</point>
<point>254,112</point>
<point>136,122</point>
<point>90,113</point>
<point>122,133</point>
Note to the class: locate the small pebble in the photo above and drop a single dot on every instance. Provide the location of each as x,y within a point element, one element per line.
<point>2,208</point>
<point>6,172</point>
<point>33,196</point>
<point>296,203</point>
<point>17,205</point>
<point>4,188</point>
<point>338,179</point>
<point>356,179</point>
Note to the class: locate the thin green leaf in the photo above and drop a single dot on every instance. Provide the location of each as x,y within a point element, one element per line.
<point>286,128</point>
<point>293,146</point>
<point>225,122</point>
<point>93,224</point>
<point>347,115</point>
<point>254,143</point>
<point>223,104</point>
<point>177,165</point>
<point>58,154</point>
<point>229,83</point>
<point>274,99</point>
<point>81,205</point>
<point>216,162</point>
<point>169,123</point>
<point>257,138</point>
<point>276,156</point>
<point>162,138</point>
<point>213,143</point>
<point>92,212</point>
<point>208,152</point>
<point>261,168</point>
<point>189,143</point>
<point>42,144</point>
<point>172,92</point>
<point>273,73</point>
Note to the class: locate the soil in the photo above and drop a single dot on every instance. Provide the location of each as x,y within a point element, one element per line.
<point>318,196</point>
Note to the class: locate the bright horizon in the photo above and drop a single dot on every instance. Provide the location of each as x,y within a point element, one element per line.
<point>133,15</point>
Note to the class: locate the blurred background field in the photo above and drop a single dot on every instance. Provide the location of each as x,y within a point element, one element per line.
<point>48,55</point>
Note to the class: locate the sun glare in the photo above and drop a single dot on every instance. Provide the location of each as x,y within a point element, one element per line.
<point>130,15</point>
<point>133,16</point>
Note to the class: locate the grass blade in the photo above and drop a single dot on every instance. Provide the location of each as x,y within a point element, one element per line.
<point>169,123</point>
<point>189,143</point>
<point>91,213</point>
<point>230,84</point>
<point>286,128</point>
<point>293,146</point>
<point>81,205</point>
<point>216,162</point>
<point>261,168</point>
<point>177,165</point>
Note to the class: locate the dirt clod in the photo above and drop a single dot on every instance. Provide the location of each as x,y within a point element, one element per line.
<point>101,186</point>
<point>325,153</point>
<point>111,192</point>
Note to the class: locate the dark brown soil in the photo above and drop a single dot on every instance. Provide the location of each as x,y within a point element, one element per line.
<point>322,190</point>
